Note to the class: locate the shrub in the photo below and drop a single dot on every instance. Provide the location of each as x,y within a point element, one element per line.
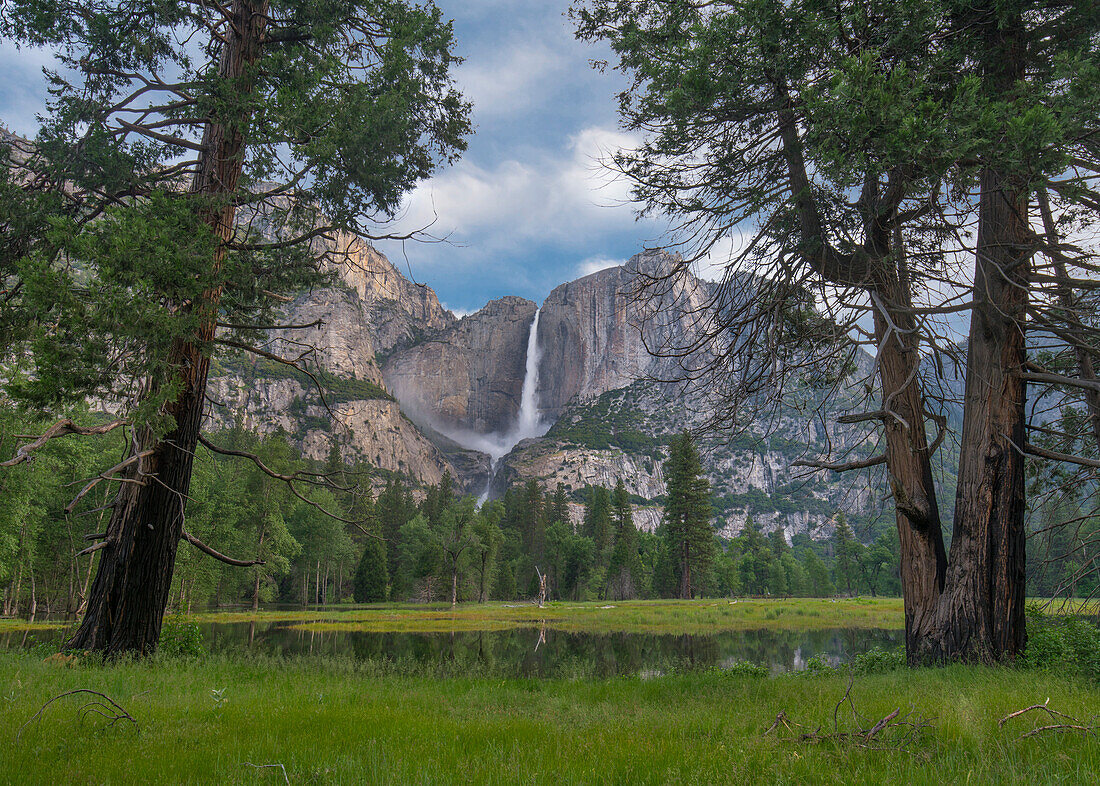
<point>181,639</point>
<point>818,666</point>
<point>1066,645</point>
<point>877,660</point>
<point>743,668</point>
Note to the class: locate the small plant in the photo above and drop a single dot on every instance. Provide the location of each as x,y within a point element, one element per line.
<point>818,666</point>
<point>877,661</point>
<point>217,695</point>
<point>743,668</point>
<point>180,638</point>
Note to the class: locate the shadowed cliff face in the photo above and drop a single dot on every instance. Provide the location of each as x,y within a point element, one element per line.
<point>596,333</point>
<point>468,377</point>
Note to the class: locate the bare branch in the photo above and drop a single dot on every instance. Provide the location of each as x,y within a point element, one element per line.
<point>237,563</point>
<point>841,466</point>
<point>106,475</point>
<point>1035,450</point>
<point>314,323</point>
<point>60,429</point>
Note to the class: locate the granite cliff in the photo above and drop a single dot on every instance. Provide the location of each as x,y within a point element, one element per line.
<point>468,376</point>
<point>408,381</point>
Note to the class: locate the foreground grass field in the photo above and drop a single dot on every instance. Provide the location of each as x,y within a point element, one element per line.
<point>342,722</point>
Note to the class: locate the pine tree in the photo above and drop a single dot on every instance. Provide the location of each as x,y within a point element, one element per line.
<point>372,575</point>
<point>624,567</point>
<point>559,506</point>
<point>848,551</point>
<point>687,527</point>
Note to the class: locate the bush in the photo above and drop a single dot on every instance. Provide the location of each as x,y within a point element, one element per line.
<point>181,639</point>
<point>743,668</point>
<point>1064,645</point>
<point>877,661</point>
<point>818,666</point>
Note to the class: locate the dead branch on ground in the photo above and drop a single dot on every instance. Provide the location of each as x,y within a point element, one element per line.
<point>1064,723</point>
<point>103,705</point>
<point>893,731</point>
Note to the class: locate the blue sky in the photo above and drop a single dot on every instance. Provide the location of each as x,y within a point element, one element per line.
<point>529,205</point>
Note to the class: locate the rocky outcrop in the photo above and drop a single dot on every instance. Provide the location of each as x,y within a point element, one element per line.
<point>468,377</point>
<point>397,312</point>
<point>597,334</point>
<point>370,310</point>
<point>372,430</point>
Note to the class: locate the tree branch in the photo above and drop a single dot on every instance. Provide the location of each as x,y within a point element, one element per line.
<point>237,563</point>
<point>60,429</point>
<point>841,466</point>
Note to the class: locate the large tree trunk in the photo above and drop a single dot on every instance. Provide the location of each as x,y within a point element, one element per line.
<point>130,590</point>
<point>923,558</point>
<point>980,616</point>
<point>981,613</point>
<point>685,571</point>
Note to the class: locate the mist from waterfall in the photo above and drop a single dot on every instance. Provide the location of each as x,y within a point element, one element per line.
<point>529,423</point>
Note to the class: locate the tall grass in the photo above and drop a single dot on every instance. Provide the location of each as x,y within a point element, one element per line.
<point>339,721</point>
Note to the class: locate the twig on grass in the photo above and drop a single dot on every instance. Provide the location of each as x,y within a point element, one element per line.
<point>1071,724</point>
<point>892,731</point>
<point>107,708</point>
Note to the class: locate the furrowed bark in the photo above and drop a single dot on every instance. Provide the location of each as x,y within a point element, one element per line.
<point>981,614</point>
<point>923,558</point>
<point>881,270</point>
<point>130,591</point>
<point>980,617</point>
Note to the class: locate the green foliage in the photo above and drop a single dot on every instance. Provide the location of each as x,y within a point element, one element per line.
<point>686,526</point>
<point>745,669</point>
<point>606,423</point>
<point>1063,644</point>
<point>371,575</point>
<point>878,661</point>
<point>181,638</point>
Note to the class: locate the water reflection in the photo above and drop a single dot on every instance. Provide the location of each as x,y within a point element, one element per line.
<point>531,652</point>
<point>552,653</point>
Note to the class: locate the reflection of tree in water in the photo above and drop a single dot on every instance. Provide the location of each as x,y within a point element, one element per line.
<point>514,652</point>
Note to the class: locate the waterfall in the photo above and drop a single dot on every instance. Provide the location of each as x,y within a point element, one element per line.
<point>529,423</point>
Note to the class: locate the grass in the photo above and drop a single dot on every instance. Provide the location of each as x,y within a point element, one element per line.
<point>336,721</point>
<point>636,616</point>
<point>660,617</point>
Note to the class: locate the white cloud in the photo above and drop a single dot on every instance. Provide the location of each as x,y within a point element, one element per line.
<point>563,196</point>
<point>23,93</point>
<point>511,79</point>
<point>724,253</point>
<point>596,264</point>
<point>458,312</point>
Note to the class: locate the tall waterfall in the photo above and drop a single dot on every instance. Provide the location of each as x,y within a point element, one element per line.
<point>529,423</point>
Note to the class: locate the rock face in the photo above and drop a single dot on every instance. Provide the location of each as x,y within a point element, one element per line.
<point>396,312</point>
<point>371,430</point>
<point>407,379</point>
<point>596,333</point>
<point>624,434</point>
<point>371,310</point>
<point>469,376</point>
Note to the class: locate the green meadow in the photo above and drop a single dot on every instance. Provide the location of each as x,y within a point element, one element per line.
<point>209,719</point>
